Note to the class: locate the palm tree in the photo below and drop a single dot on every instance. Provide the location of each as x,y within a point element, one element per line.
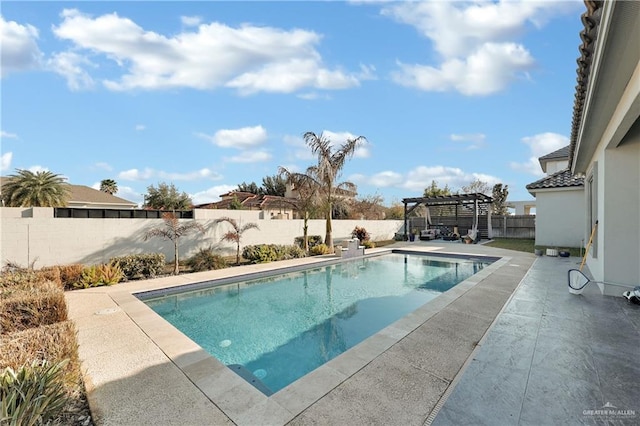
<point>235,234</point>
<point>39,189</point>
<point>173,230</point>
<point>328,170</point>
<point>109,186</point>
<point>308,190</point>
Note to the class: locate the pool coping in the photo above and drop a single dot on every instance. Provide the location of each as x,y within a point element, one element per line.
<point>236,398</point>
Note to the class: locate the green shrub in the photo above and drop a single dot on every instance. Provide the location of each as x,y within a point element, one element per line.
<point>313,240</point>
<point>319,249</point>
<point>368,244</point>
<point>33,394</point>
<point>263,253</point>
<point>294,252</point>
<point>360,233</point>
<point>140,265</point>
<point>205,260</point>
<point>99,275</point>
<point>260,253</point>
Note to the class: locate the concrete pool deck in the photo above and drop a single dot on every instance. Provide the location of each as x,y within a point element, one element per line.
<point>140,370</point>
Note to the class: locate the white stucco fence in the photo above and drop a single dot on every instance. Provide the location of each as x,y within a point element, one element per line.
<point>29,235</point>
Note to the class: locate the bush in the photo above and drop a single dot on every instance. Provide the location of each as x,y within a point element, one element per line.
<point>295,252</point>
<point>70,274</point>
<point>99,275</point>
<point>361,234</point>
<point>263,253</point>
<point>319,249</point>
<point>205,260</point>
<point>52,273</point>
<point>368,244</point>
<point>313,240</point>
<point>34,394</point>
<point>140,265</point>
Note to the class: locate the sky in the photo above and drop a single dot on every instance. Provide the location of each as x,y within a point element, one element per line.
<point>209,94</point>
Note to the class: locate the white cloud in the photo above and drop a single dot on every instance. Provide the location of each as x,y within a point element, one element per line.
<point>475,41</point>
<point>140,127</point>
<point>37,168</point>
<point>7,135</point>
<point>103,166</point>
<point>70,66</point>
<point>191,21</point>
<point>248,58</point>
<point>472,140</point>
<point>243,138</point>
<point>148,173</point>
<point>196,175</point>
<point>339,138</point>
<point>539,145</point>
<point>129,194</point>
<point>488,70</point>
<point>421,177</point>
<point>20,50</point>
<point>135,174</point>
<point>5,161</point>
<point>212,194</point>
<point>250,157</point>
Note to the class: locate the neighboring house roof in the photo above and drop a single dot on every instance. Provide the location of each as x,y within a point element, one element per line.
<point>562,153</point>
<point>87,196</point>
<point>590,20</point>
<point>561,179</point>
<point>251,201</point>
<point>81,194</point>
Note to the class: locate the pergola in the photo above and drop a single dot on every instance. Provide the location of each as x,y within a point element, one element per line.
<point>476,199</point>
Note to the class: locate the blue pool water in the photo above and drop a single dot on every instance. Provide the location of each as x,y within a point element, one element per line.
<point>282,327</point>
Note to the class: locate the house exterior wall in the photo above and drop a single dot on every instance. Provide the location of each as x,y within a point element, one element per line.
<point>619,206</point>
<point>51,241</point>
<point>560,217</point>
<point>556,166</point>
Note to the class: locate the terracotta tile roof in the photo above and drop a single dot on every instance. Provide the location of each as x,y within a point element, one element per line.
<point>591,21</point>
<point>555,155</point>
<point>561,179</point>
<point>251,201</point>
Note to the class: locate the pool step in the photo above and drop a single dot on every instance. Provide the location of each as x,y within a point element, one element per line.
<point>241,371</point>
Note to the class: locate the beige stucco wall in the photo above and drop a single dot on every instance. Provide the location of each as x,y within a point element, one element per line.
<point>560,218</point>
<point>50,241</point>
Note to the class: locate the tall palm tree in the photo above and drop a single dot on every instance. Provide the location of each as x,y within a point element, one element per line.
<point>235,234</point>
<point>39,189</point>
<point>328,170</point>
<point>109,186</point>
<point>308,190</point>
<point>173,230</point>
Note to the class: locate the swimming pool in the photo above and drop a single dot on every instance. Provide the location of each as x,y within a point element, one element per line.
<point>276,329</point>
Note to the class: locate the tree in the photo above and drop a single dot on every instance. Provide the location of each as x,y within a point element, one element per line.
<point>235,204</point>
<point>477,186</point>
<point>109,186</point>
<point>39,189</point>
<point>235,234</point>
<point>308,190</point>
<point>173,230</point>
<point>166,197</point>
<point>368,207</point>
<point>396,211</point>
<point>328,170</point>
<point>250,187</point>
<point>434,190</point>
<point>499,195</point>
<point>274,185</point>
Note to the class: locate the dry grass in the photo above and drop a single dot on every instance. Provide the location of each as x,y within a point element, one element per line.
<point>52,342</point>
<point>21,308</point>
